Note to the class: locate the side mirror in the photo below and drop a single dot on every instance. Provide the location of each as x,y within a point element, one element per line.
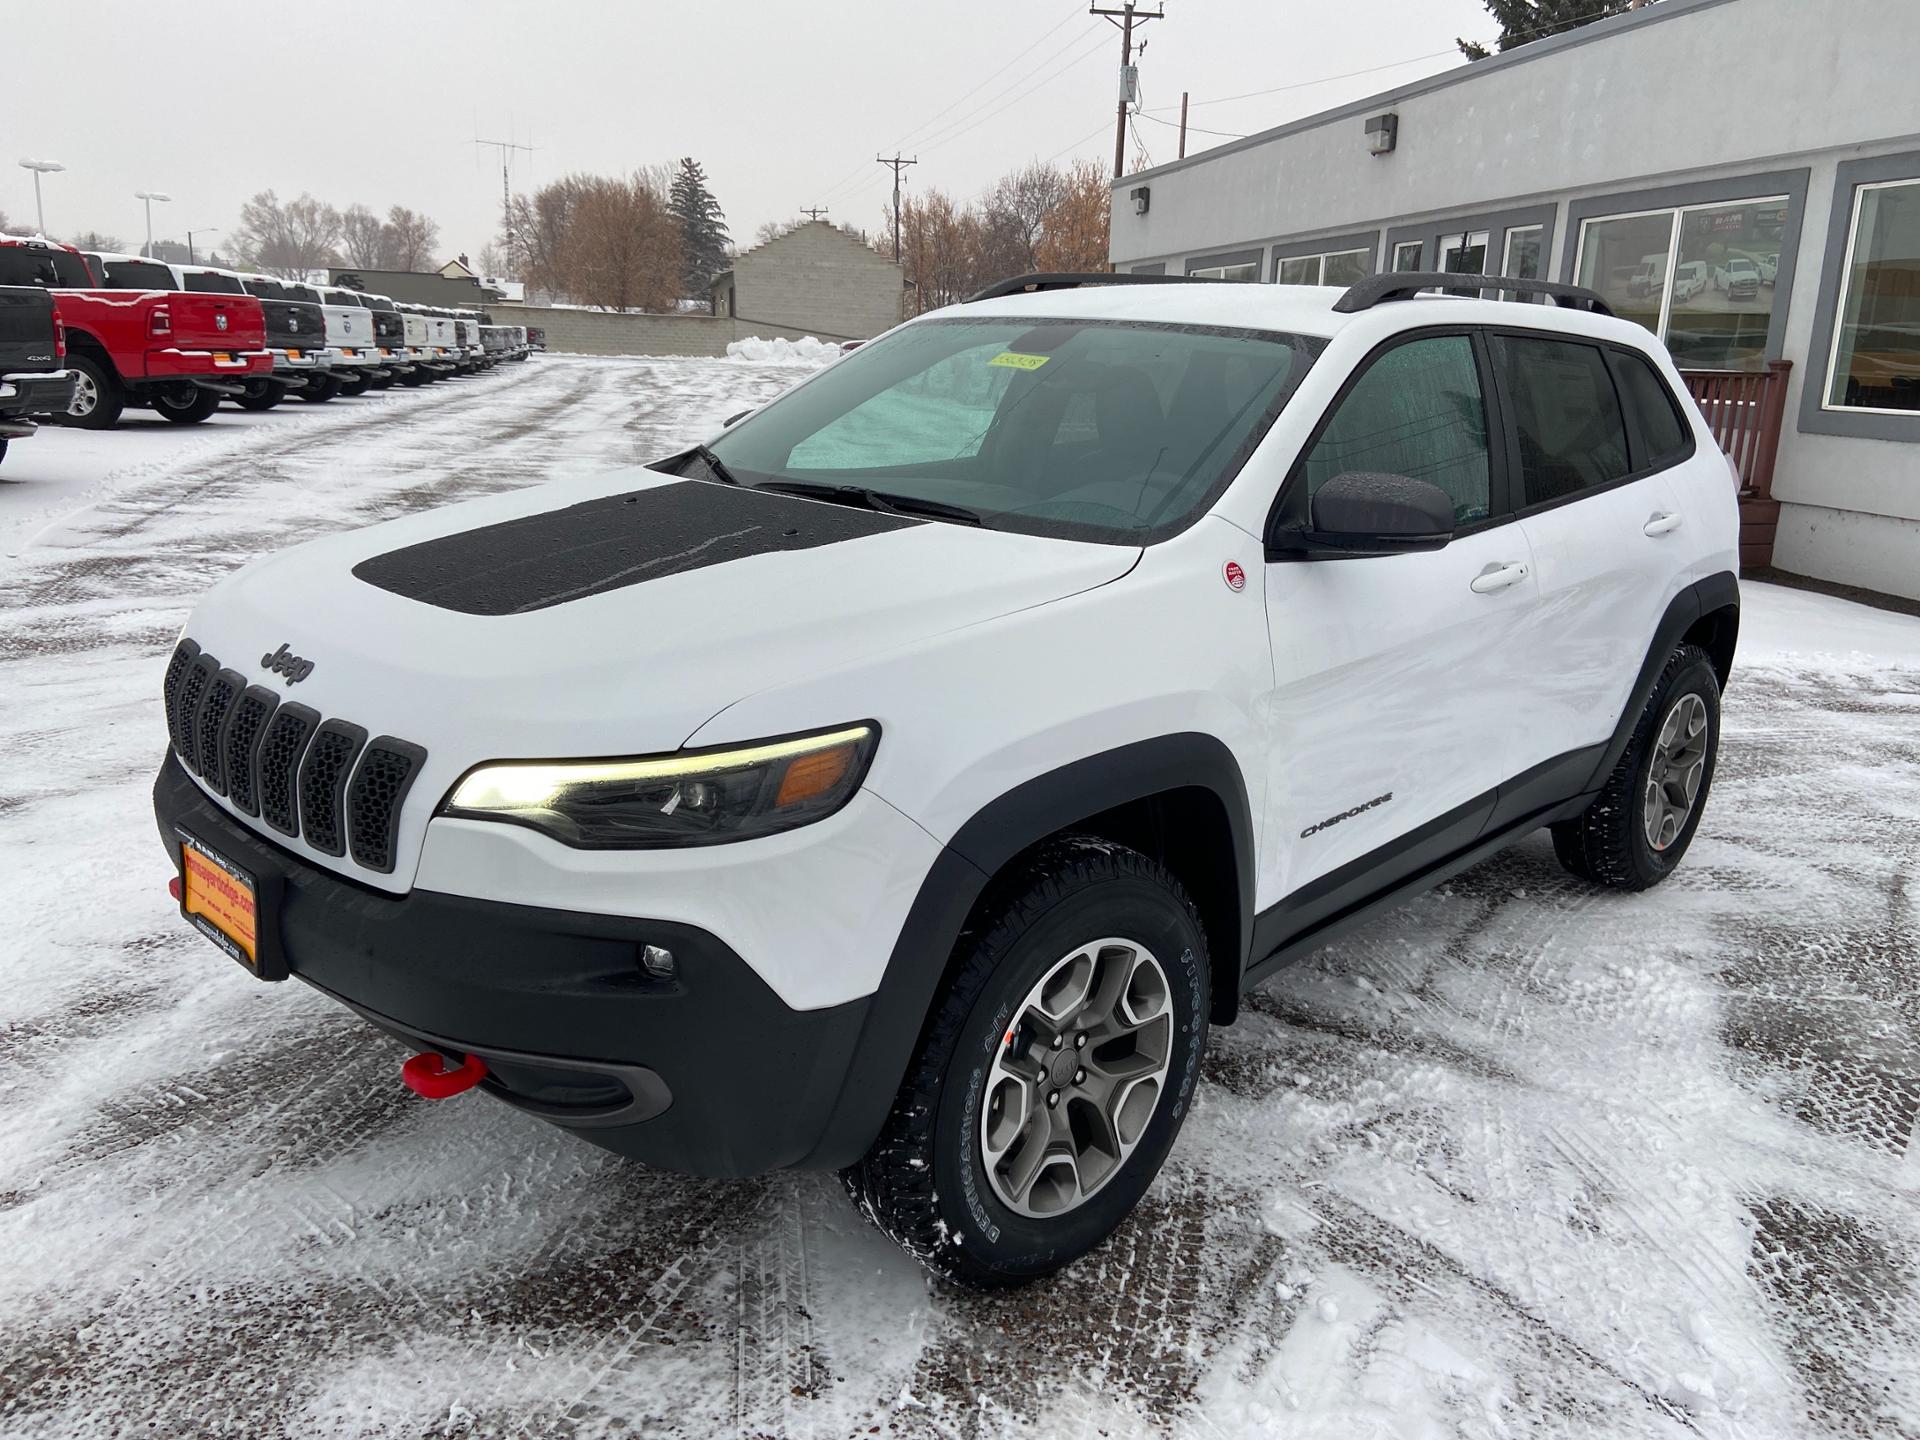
<point>1364,512</point>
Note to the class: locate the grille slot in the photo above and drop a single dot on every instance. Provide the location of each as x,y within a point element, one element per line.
<point>239,745</point>
<point>212,720</point>
<point>381,783</point>
<point>323,784</point>
<point>312,779</point>
<point>193,689</point>
<point>279,762</point>
<point>184,654</point>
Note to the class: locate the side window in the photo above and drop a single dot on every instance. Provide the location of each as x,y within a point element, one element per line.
<point>1416,411</point>
<point>1650,402</point>
<point>1566,417</point>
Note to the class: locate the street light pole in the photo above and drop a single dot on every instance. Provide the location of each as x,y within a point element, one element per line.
<point>150,196</point>
<point>39,168</point>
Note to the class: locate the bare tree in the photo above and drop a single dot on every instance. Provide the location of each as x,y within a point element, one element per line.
<point>623,246</point>
<point>91,240</point>
<point>539,229</point>
<point>287,239</point>
<point>361,238</point>
<point>409,240</point>
<point>772,230</point>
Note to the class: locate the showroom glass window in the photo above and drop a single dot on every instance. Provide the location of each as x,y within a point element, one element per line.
<point>1875,364</point>
<point>1701,277</point>
<point>1248,271</point>
<point>1338,267</point>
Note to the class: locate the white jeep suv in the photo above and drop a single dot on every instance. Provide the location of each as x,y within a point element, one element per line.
<point>906,780</point>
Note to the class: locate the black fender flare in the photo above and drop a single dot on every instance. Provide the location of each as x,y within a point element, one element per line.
<point>1720,591</point>
<point>897,1012</point>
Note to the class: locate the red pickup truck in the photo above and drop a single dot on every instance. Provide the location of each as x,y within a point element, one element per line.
<point>131,343</point>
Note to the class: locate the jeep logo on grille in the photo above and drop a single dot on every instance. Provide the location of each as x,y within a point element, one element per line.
<point>285,662</point>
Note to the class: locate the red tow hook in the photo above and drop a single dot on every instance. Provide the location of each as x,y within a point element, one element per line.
<point>427,1075</point>
<point>173,887</point>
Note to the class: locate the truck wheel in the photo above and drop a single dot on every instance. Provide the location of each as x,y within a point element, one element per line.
<point>1633,834</point>
<point>3,447</point>
<point>98,397</point>
<point>1053,1074</point>
<point>262,395</point>
<point>189,411</point>
<point>320,389</point>
<point>358,385</point>
<point>383,381</point>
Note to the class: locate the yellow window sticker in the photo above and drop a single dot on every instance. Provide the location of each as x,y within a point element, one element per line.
<point>1017,361</point>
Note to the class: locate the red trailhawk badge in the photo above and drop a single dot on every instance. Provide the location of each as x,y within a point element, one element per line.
<point>1236,577</point>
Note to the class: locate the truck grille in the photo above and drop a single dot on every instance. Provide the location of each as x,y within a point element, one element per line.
<point>321,780</point>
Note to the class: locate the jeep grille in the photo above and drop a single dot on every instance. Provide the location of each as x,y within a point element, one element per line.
<point>321,780</point>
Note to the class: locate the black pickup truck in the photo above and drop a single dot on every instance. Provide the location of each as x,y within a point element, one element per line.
<point>296,334</point>
<point>34,385</point>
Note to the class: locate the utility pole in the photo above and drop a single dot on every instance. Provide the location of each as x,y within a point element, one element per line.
<point>811,213</point>
<point>506,149</point>
<point>898,165</point>
<point>1124,20</point>
<point>1183,124</point>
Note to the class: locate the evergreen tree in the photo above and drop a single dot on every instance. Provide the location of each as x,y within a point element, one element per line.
<point>703,227</point>
<point>1524,20</point>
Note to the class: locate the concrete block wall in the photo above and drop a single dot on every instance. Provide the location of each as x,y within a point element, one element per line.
<point>599,332</point>
<point>820,280</point>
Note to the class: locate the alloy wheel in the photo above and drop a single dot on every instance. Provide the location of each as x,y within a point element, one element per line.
<point>1077,1078</point>
<point>1674,774</point>
<point>86,394</point>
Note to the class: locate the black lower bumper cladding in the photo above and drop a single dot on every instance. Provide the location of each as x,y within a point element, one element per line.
<point>708,1072</point>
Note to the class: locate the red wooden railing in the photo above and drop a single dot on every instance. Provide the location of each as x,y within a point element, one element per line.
<point>1744,410</point>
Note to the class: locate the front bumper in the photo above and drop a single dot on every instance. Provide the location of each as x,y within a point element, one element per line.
<point>37,392</point>
<point>709,1072</point>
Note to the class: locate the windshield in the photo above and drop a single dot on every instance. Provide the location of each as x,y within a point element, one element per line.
<point>211,284</point>
<point>1088,430</point>
<point>138,275</point>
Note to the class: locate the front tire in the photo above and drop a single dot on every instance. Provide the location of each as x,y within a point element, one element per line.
<point>191,411</point>
<point>1054,1073</point>
<point>1634,833</point>
<point>98,397</point>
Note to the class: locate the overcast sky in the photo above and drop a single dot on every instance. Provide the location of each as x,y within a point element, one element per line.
<point>379,101</point>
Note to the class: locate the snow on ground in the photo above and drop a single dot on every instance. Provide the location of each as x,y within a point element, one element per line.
<point>780,351</point>
<point>1519,1159</point>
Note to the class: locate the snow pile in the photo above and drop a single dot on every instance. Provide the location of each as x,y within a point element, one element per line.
<point>780,351</point>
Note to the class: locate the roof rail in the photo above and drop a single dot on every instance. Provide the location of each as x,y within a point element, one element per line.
<point>1404,285</point>
<point>1070,280</point>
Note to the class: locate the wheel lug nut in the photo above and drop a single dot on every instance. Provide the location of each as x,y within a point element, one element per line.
<point>1056,1042</point>
<point>1080,1041</point>
<point>1079,1077</point>
<point>1053,1098</point>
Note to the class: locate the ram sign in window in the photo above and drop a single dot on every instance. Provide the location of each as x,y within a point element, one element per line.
<point>1701,277</point>
<point>1875,363</point>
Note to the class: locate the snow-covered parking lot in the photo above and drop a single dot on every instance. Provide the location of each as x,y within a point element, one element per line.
<point>1519,1159</point>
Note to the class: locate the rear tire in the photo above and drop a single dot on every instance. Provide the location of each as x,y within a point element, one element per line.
<point>98,398</point>
<point>358,385</point>
<point>1639,826</point>
<point>320,389</point>
<point>196,408</point>
<point>1054,1072</point>
<point>262,395</point>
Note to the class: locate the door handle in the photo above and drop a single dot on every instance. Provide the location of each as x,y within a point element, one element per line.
<point>1497,577</point>
<point>1661,522</point>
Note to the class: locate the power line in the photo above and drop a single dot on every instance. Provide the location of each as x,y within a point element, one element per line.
<point>955,129</point>
<point>811,213</point>
<point>1321,80</point>
<point>977,88</point>
<point>1195,129</point>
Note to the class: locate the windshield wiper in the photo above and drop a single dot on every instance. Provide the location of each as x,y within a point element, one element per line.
<point>886,501</point>
<point>715,465</point>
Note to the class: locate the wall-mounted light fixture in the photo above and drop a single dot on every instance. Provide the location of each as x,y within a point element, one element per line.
<point>1383,132</point>
<point>1142,198</point>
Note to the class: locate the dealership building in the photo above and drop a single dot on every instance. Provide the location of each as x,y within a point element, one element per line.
<point>1742,177</point>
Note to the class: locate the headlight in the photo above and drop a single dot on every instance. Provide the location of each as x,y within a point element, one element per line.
<point>696,797</point>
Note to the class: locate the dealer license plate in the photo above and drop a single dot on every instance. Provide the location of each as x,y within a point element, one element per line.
<point>221,901</point>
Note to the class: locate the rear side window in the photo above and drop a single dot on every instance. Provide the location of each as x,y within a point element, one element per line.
<point>1417,411</point>
<point>1663,434</point>
<point>1567,421</point>
<point>50,269</point>
<point>138,275</point>
<point>203,283</point>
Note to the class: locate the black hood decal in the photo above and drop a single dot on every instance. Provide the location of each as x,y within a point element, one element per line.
<point>538,561</point>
